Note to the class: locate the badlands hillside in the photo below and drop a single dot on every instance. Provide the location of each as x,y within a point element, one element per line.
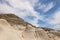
<point>14,28</point>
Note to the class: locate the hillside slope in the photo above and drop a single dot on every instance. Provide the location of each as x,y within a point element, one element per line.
<point>14,28</point>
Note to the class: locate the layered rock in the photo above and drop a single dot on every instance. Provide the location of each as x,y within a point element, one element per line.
<point>14,28</point>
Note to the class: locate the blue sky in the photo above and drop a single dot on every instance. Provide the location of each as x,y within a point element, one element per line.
<point>41,13</point>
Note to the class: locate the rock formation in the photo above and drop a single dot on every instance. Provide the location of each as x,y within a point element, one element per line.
<point>14,28</point>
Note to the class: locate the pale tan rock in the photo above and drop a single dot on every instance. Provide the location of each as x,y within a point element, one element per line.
<point>13,29</point>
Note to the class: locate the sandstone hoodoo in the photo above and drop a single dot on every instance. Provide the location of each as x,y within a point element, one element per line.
<point>15,28</point>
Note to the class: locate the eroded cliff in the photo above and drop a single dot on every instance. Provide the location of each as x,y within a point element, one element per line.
<point>14,28</point>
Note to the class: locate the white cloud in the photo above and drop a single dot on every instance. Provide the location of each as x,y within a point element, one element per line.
<point>56,20</point>
<point>49,6</point>
<point>35,22</point>
<point>45,7</point>
<point>57,27</point>
<point>4,8</point>
<point>21,8</point>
